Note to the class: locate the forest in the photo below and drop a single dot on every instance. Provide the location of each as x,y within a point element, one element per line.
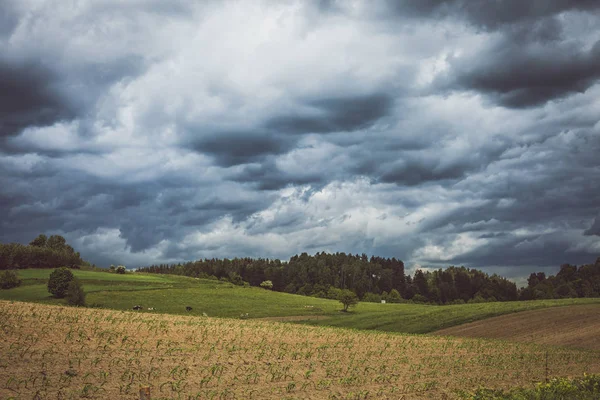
<point>372,279</point>
<point>42,252</point>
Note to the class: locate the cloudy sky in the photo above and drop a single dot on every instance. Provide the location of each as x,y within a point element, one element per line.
<point>440,132</point>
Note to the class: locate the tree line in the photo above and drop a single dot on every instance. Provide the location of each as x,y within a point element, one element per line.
<point>571,281</point>
<point>325,275</point>
<point>41,252</point>
<point>371,279</point>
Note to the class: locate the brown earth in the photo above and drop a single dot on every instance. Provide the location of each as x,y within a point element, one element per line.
<point>574,326</point>
<point>54,352</point>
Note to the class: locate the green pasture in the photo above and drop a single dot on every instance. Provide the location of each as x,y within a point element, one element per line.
<point>172,294</point>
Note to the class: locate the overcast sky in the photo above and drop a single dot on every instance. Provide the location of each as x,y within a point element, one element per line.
<point>439,132</point>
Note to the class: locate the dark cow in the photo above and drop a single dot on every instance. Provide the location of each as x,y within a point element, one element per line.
<point>188,308</point>
<point>137,307</point>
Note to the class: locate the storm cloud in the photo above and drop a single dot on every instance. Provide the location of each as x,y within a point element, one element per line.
<point>438,132</point>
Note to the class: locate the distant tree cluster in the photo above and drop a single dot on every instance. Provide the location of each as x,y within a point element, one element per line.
<point>569,282</point>
<point>42,252</point>
<point>9,280</point>
<point>370,279</point>
<point>63,284</point>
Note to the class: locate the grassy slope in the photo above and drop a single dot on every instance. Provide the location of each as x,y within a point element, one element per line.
<point>414,318</point>
<point>171,294</point>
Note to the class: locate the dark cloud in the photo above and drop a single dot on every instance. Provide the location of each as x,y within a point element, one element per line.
<point>30,96</point>
<point>539,249</point>
<point>518,75</point>
<point>335,114</point>
<point>489,15</point>
<point>267,176</point>
<point>416,173</point>
<point>233,148</point>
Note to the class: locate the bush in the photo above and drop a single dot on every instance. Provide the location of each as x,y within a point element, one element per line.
<point>394,296</point>
<point>586,388</point>
<point>58,284</point>
<point>120,269</point>
<point>267,285</point>
<point>75,293</point>
<point>9,280</point>
<point>371,298</point>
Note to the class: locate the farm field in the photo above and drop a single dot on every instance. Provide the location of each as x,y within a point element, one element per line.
<point>171,294</point>
<point>576,326</point>
<point>63,352</point>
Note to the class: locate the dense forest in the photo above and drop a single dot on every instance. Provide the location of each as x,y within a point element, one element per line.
<point>42,252</point>
<point>372,279</point>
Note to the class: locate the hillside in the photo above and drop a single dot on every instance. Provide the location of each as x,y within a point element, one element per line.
<point>575,326</point>
<point>171,294</point>
<point>54,351</point>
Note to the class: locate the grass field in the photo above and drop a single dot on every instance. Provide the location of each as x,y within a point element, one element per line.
<point>70,353</point>
<point>171,294</point>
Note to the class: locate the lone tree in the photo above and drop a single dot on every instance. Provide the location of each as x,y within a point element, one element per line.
<point>347,298</point>
<point>267,285</point>
<point>120,269</point>
<point>58,284</point>
<point>75,293</point>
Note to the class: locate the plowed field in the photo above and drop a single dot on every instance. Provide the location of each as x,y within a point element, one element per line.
<point>59,352</point>
<point>575,326</point>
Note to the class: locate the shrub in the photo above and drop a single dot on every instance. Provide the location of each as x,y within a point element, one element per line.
<point>394,296</point>
<point>58,284</point>
<point>75,293</point>
<point>267,285</point>
<point>9,280</point>
<point>372,298</point>
<point>347,298</point>
<point>120,269</point>
<point>417,298</point>
<point>236,279</point>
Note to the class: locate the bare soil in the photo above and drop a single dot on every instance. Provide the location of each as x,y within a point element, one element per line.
<point>573,326</point>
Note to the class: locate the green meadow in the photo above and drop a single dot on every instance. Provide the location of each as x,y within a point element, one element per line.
<point>170,294</point>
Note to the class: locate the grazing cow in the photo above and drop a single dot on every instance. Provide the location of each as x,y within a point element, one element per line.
<point>151,309</point>
<point>137,307</point>
<point>188,308</point>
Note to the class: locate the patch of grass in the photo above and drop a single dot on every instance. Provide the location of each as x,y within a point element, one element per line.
<point>586,388</point>
<point>219,299</point>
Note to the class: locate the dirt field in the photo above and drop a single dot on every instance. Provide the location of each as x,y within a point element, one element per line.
<point>575,326</point>
<point>67,353</point>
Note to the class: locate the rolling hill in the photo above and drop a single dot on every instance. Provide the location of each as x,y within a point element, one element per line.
<point>170,294</point>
